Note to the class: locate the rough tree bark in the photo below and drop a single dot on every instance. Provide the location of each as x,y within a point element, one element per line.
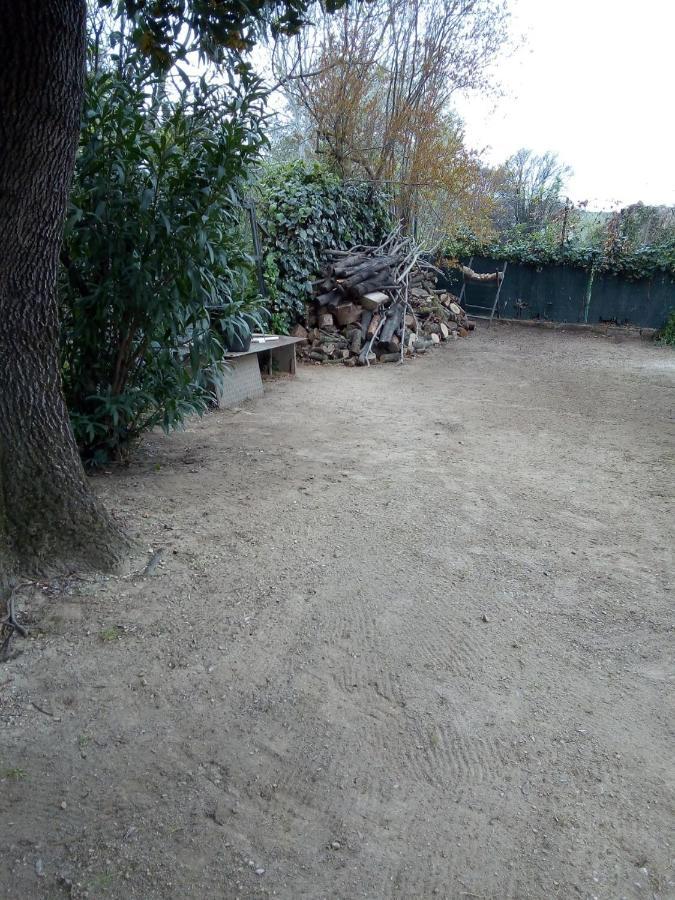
<point>49,519</point>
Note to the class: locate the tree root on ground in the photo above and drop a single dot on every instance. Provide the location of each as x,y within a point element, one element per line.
<point>9,626</point>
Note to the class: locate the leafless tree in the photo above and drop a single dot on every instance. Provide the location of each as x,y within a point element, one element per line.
<point>532,186</point>
<point>376,82</point>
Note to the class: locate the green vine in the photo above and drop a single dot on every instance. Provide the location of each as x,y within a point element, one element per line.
<point>539,251</point>
<point>303,210</point>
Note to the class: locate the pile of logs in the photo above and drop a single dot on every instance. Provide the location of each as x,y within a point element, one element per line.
<point>378,304</point>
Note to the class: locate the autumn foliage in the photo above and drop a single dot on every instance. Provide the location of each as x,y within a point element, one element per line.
<point>375,83</point>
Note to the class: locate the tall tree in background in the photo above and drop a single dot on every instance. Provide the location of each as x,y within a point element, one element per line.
<point>376,83</point>
<point>531,193</point>
<point>49,519</point>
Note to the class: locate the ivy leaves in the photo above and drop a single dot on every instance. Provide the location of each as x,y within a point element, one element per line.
<point>538,250</point>
<point>304,210</point>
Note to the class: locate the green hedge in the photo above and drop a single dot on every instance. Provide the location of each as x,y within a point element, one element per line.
<point>541,251</point>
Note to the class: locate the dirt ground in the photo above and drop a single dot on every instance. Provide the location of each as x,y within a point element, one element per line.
<point>410,638</point>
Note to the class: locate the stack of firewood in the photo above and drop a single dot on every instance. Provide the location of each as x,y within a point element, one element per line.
<point>378,304</point>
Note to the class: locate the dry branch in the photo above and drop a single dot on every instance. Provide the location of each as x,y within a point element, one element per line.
<point>382,301</point>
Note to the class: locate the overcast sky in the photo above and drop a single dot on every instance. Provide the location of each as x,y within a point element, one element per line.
<point>595,82</point>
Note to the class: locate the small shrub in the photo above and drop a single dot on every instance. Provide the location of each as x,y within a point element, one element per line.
<point>113,633</point>
<point>667,333</point>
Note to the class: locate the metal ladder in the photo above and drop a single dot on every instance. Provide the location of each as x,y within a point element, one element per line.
<point>495,306</point>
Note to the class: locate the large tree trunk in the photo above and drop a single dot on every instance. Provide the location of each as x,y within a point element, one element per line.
<point>49,519</point>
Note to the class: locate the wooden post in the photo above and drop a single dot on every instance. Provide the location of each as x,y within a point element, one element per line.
<point>500,282</point>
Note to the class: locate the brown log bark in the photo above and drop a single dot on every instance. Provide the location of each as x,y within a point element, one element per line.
<point>347,314</point>
<point>470,275</point>
<point>342,266</point>
<point>332,298</point>
<point>299,331</point>
<point>356,341</point>
<point>373,284</point>
<point>326,320</point>
<point>394,318</point>
<point>366,319</point>
<point>373,325</point>
<point>49,519</point>
<point>368,272</point>
<point>359,262</point>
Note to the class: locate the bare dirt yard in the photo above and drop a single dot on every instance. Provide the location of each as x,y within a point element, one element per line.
<point>410,637</point>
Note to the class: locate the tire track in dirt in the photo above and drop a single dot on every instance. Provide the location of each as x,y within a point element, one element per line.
<point>424,747</point>
<point>311,665</point>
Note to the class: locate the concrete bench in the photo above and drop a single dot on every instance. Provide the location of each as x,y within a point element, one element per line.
<point>242,379</point>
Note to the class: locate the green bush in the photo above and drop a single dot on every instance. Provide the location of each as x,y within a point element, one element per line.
<point>667,333</point>
<point>156,275</point>
<point>303,210</point>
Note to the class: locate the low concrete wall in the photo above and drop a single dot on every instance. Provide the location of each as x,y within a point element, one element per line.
<point>618,332</point>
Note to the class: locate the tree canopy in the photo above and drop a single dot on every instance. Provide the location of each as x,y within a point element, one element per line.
<point>165,30</point>
<point>532,186</point>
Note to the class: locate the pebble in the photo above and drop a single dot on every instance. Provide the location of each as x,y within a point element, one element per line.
<point>64,805</point>
<point>260,871</point>
<point>39,868</point>
<point>335,845</point>
<point>484,618</point>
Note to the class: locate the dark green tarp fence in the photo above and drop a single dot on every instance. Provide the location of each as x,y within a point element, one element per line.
<point>566,294</point>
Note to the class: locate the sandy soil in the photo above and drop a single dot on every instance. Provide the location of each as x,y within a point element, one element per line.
<point>410,638</point>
